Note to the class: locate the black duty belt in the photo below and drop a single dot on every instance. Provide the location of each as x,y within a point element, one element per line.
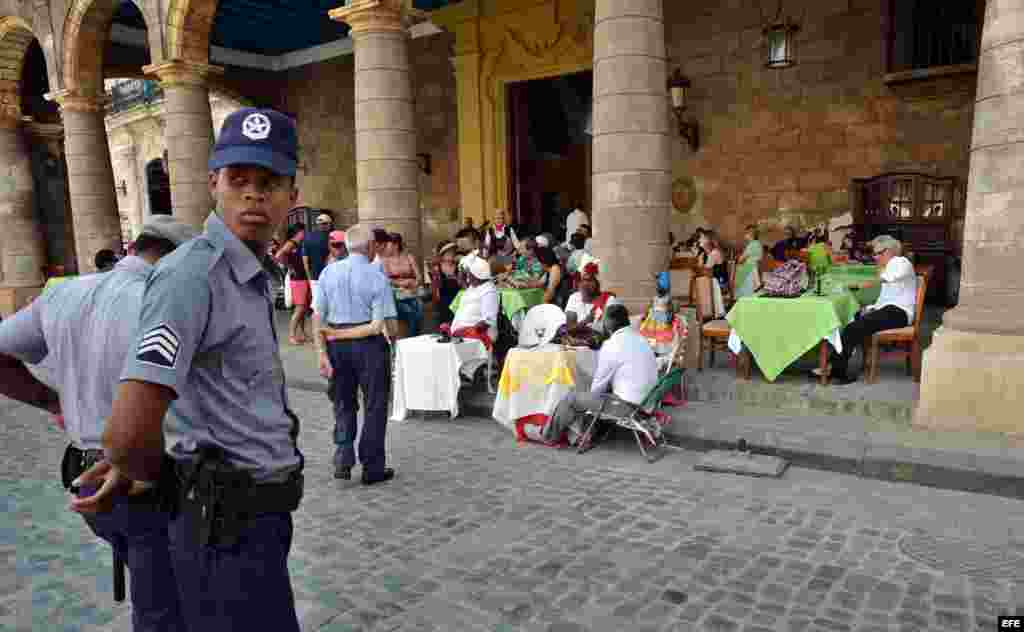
<point>346,325</point>
<point>218,499</point>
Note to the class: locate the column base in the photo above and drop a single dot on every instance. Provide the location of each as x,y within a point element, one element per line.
<point>972,382</point>
<point>14,298</point>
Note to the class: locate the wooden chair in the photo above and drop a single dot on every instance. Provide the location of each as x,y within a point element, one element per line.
<point>909,336</point>
<point>715,331</point>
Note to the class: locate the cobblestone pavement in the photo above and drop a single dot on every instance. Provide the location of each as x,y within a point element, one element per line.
<point>477,533</point>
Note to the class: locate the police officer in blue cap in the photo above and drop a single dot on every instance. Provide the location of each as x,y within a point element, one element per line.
<point>85,328</point>
<point>207,357</point>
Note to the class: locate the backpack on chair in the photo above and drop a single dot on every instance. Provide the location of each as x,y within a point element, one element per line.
<point>787,281</point>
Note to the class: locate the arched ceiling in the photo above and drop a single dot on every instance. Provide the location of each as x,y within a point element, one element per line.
<point>269,27</point>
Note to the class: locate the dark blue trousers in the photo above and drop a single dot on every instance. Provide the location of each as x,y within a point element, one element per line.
<point>365,365</point>
<point>138,533</point>
<point>238,588</point>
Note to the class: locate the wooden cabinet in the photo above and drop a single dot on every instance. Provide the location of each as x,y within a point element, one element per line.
<point>925,212</point>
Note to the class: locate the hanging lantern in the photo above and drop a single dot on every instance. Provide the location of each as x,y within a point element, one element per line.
<point>780,36</point>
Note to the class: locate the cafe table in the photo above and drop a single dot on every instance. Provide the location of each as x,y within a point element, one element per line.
<point>779,331</point>
<point>534,380</point>
<point>855,274</point>
<point>514,302</point>
<point>426,374</point>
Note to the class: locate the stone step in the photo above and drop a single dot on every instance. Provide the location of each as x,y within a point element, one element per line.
<point>858,445</point>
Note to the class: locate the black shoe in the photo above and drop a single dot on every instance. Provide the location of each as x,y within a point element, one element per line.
<point>842,380</point>
<point>380,477</point>
<point>343,472</point>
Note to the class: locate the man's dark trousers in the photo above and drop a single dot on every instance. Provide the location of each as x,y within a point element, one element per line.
<point>137,530</point>
<point>854,334</point>
<point>362,364</point>
<point>240,587</point>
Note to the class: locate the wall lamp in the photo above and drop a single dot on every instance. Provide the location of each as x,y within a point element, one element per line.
<point>426,163</point>
<point>679,87</point>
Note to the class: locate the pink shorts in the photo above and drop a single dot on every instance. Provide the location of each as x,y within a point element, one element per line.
<point>300,293</point>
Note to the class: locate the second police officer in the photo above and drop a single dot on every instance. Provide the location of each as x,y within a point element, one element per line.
<point>207,355</point>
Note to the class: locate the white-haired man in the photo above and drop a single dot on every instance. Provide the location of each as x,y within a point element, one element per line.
<point>894,308</point>
<point>352,302</point>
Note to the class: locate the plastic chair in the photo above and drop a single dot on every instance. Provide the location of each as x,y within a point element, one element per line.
<point>640,420</point>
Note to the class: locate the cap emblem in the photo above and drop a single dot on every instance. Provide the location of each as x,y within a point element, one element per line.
<point>256,126</point>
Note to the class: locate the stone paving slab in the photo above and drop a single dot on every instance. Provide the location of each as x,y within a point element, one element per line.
<point>479,533</point>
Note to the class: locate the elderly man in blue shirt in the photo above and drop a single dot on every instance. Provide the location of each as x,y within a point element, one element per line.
<point>352,301</point>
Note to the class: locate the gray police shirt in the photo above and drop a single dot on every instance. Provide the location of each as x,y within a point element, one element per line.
<point>84,328</point>
<point>206,331</point>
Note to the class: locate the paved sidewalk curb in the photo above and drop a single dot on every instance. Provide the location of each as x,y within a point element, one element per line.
<point>900,463</point>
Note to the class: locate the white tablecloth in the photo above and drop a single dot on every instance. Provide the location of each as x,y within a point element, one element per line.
<point>529,392</point>
<point>427,374</point>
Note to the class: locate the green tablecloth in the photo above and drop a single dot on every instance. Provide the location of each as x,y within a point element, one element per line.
<point>855,273</point>
<point>55,280</point>
<point>512,301</point>
<point>778,331</point>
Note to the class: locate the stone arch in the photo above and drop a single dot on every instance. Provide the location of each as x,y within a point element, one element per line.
<point>15,37</point>
<point>189,25</point>
<point>86,31</point>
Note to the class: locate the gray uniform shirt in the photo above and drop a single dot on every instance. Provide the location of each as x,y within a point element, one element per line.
<point>84,328</point>
<point>206,332</point>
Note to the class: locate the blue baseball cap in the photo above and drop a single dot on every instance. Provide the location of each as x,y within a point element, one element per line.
<point>262,137</point>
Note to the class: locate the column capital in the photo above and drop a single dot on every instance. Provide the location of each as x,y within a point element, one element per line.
<point>74,101</point>
<point>180,72</point>
<point>375,16</point>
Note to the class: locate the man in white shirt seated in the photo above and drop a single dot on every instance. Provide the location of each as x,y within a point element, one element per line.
<point>894,308</point>
<point>587,305</point>
<point>477,316</point>
<point>625,366</point>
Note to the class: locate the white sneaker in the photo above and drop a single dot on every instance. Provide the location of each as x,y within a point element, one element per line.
<point>822,372</point>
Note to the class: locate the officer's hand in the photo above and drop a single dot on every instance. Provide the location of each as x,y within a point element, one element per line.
<point>326,370</point>
<point>113,483</point>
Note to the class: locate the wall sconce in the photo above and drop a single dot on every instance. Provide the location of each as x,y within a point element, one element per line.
<point>426,163</point>
<point>780,35</point>
<point>122,188</point>
<point>679,87</point>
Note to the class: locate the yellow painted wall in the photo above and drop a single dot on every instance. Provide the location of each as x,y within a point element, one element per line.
<point>498,42</point>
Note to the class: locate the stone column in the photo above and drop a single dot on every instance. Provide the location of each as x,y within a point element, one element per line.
<point>387,171</point>
<point>189,136</point>
<point>973,373</point>
<point>632,157</point>
<point>123,163</point>
<point>97,224</point>
<point>22,247</point>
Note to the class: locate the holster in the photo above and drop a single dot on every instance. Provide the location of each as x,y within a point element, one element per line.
<point>75,462</point>
<point>217,499</point>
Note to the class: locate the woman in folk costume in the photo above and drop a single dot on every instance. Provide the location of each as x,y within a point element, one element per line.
<point>500,239</point>
<point>589,302</point>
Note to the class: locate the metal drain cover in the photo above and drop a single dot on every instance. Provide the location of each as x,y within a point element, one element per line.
<point>963,557</point>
